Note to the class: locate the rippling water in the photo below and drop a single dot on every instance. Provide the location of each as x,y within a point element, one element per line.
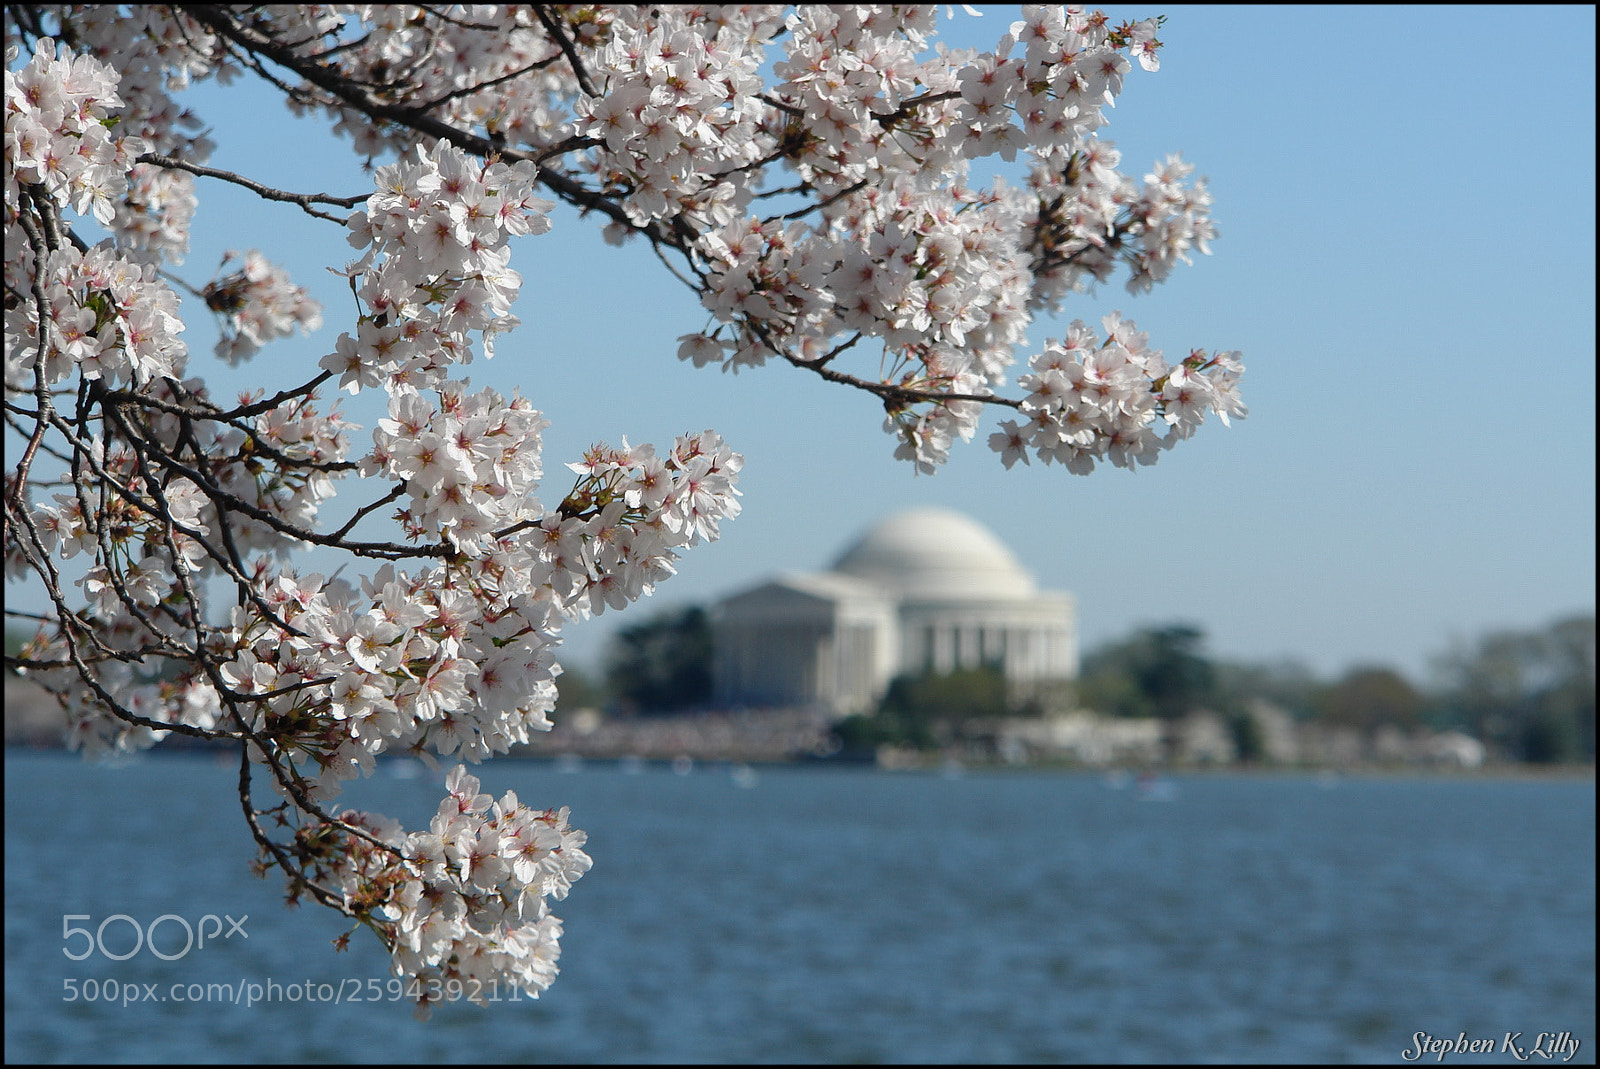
<point>846,915</point>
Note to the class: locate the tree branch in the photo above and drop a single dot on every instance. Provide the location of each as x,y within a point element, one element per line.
<point>304,200</point>
<point>541,12</point>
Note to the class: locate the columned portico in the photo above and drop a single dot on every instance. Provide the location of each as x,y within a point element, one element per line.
<point>926,590</point>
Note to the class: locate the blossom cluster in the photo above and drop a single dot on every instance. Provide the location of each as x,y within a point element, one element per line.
<point>258,303</point>
<point>58,133</point>
<point>274,467</point>
<point>105,317</point>
<point>470,464</point>
<point>435,266</point>
<point>1071,68</point>
<point>1089,401</point>
<point>641,510</point>
<point>465,901</point>
<point>1087,227</point>
<point>944,276</point>
<point>857,100</point>
<point>319,675</point>
<point>808,172</point>
<point>150,541</point>
<point>153,217</point>
<point>459,657</point>
<point>677,107</point>
<point>154,50</point>
<point>663,114</point>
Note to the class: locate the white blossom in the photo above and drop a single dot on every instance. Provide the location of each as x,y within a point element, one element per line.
<point>810,173</point>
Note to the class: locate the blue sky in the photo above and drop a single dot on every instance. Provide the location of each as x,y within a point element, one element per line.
<point>1405,199</point>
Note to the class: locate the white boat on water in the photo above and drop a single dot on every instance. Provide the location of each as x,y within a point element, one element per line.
<point>743,776</point>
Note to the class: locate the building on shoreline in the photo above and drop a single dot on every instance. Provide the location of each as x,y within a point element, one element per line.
<point>925,590</point>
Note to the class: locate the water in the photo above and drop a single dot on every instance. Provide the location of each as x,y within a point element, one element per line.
<point>846,915</point>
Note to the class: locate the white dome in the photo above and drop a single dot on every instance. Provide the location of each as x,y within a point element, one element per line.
<point>933,554</point>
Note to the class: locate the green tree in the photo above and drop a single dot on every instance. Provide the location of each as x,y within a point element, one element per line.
<point>868,731</point>
<point>662,665</point>
<point>1529,694</point>
<point>1569,703</point>
<point>1174,674</point>
<point>1367,697</point>
<point>1287,684</point>
<point>951,697</point>
<point>922,710</point>
<point>1158,671</point>
<point>1248,740</point>
<point>1107,686</point>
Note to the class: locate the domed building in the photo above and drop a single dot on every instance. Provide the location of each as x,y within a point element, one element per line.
<point>925,590</point>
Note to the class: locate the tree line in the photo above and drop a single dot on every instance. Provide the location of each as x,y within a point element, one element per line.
<point>1528,695</point>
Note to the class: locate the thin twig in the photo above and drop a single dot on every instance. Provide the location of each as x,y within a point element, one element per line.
<point>304,200</point>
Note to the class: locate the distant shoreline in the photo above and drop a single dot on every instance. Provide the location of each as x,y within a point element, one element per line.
<point>1565,772</point>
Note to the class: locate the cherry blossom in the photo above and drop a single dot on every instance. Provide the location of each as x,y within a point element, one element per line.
<point>814,176</point>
